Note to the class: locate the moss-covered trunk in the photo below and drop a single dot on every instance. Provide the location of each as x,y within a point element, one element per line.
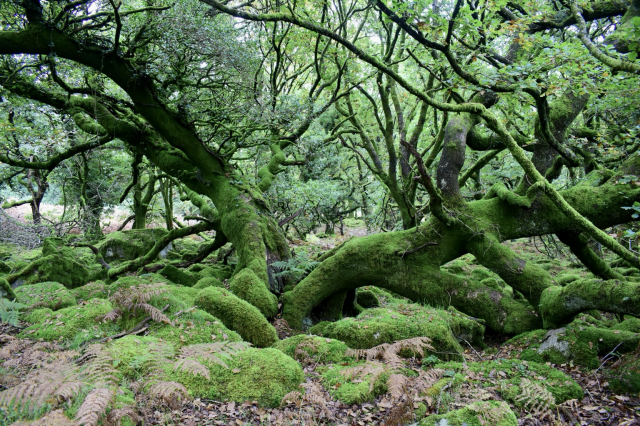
<point>408,262</point>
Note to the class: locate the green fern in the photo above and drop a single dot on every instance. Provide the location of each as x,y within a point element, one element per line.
<point>296,267</point>
<point>10,311</point>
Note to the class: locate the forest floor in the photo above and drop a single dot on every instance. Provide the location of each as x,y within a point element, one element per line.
<point>466,383</point>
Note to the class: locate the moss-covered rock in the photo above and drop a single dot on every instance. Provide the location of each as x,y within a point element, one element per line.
<point>76,322</point>
<point>178,276</point>
<point>92,290</point>
<point>563,279</point>
<point>507,375</point>
<point>130,244</point>
<point>208,282</point>
<point>247,286</point>
<point>367,299</point>
<point>45,295</point>
<point>60,267</point>
<point>221,272</point>
<point>475,414</point>
<point>352,390</point>
<point>237,315</point>
<point>263,375</point>
<point>384,325</point>
<point>195,327</point>
<point>581,342</point>
<point>128,281</point>
<point>306,348</point>
<point>6,290</point>
<point>135,356</point>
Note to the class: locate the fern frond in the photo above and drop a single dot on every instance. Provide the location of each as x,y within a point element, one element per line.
<point>191,366</point>
<point>94,406</point>
<point>293,397</point>
<point>535,399</point>
<point>169,392</point>
<point>113,315</point>
<point>68,390</point>
<point>99,369</point>
<point>155,313</point>
<point>396,385</point>
<point>115,416</point>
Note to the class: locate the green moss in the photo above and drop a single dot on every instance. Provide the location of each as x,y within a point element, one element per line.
<point>60,268</point>
<point>566,278</point>
<point>222,272</point>
<point>92,290</point>
<point>208,282</point>
<point>237,315</point>
<point>383,325</point>
<point>313,348</point>
<point>630,324</point>
<point>247,286</point>
<point>128,281</point>
<point>367,299</point>
<point>45,295</point>
<point>263,375</point>
<point>69,322</point>
<point>352,391</point>
<point>475,414</point>
<point>135,356</point>
<point>178,276</point>
<point>131,244</point>
<point>195,327</point>
<point>6,290</point>
<point>509,373</point>
<point>185,294</point>
<point>581,342</point>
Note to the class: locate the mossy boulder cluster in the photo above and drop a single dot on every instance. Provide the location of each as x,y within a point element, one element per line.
<point>580,342</point>
<point>400,321</point>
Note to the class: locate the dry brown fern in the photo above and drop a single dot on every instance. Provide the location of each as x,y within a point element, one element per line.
<point>390,353</point>
<point>131,300</point>
<point>115,416</point>
<point>171,393</point>
<point>94,406</point>
<point>313,400</point>
<point>535,399</point>
<point>192,366</point>
<point>47,384</point>
<point>99,368</point>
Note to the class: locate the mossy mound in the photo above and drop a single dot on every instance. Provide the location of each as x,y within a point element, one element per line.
<point>475,414</point>
<point>6,290</point>
<point>581,342</point>
<point>263,375</point>
<point>385,325</point>
<point>131,244</point>
<point>195,327</point>
<point>128,281</point>
<point>50,295</point>
<point>306,348</point>
<point>76,322</point>
<point>367,299</point>
<point>352,390</point>
<point>247,286</point>
<point>221,272</point>
<point>136,356</point>
<point>178,276</point>
<point>62,268</point>
<point>92,290</point>
<point>208,282</point>
<point>508,375</point>
<point>237,315</point>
